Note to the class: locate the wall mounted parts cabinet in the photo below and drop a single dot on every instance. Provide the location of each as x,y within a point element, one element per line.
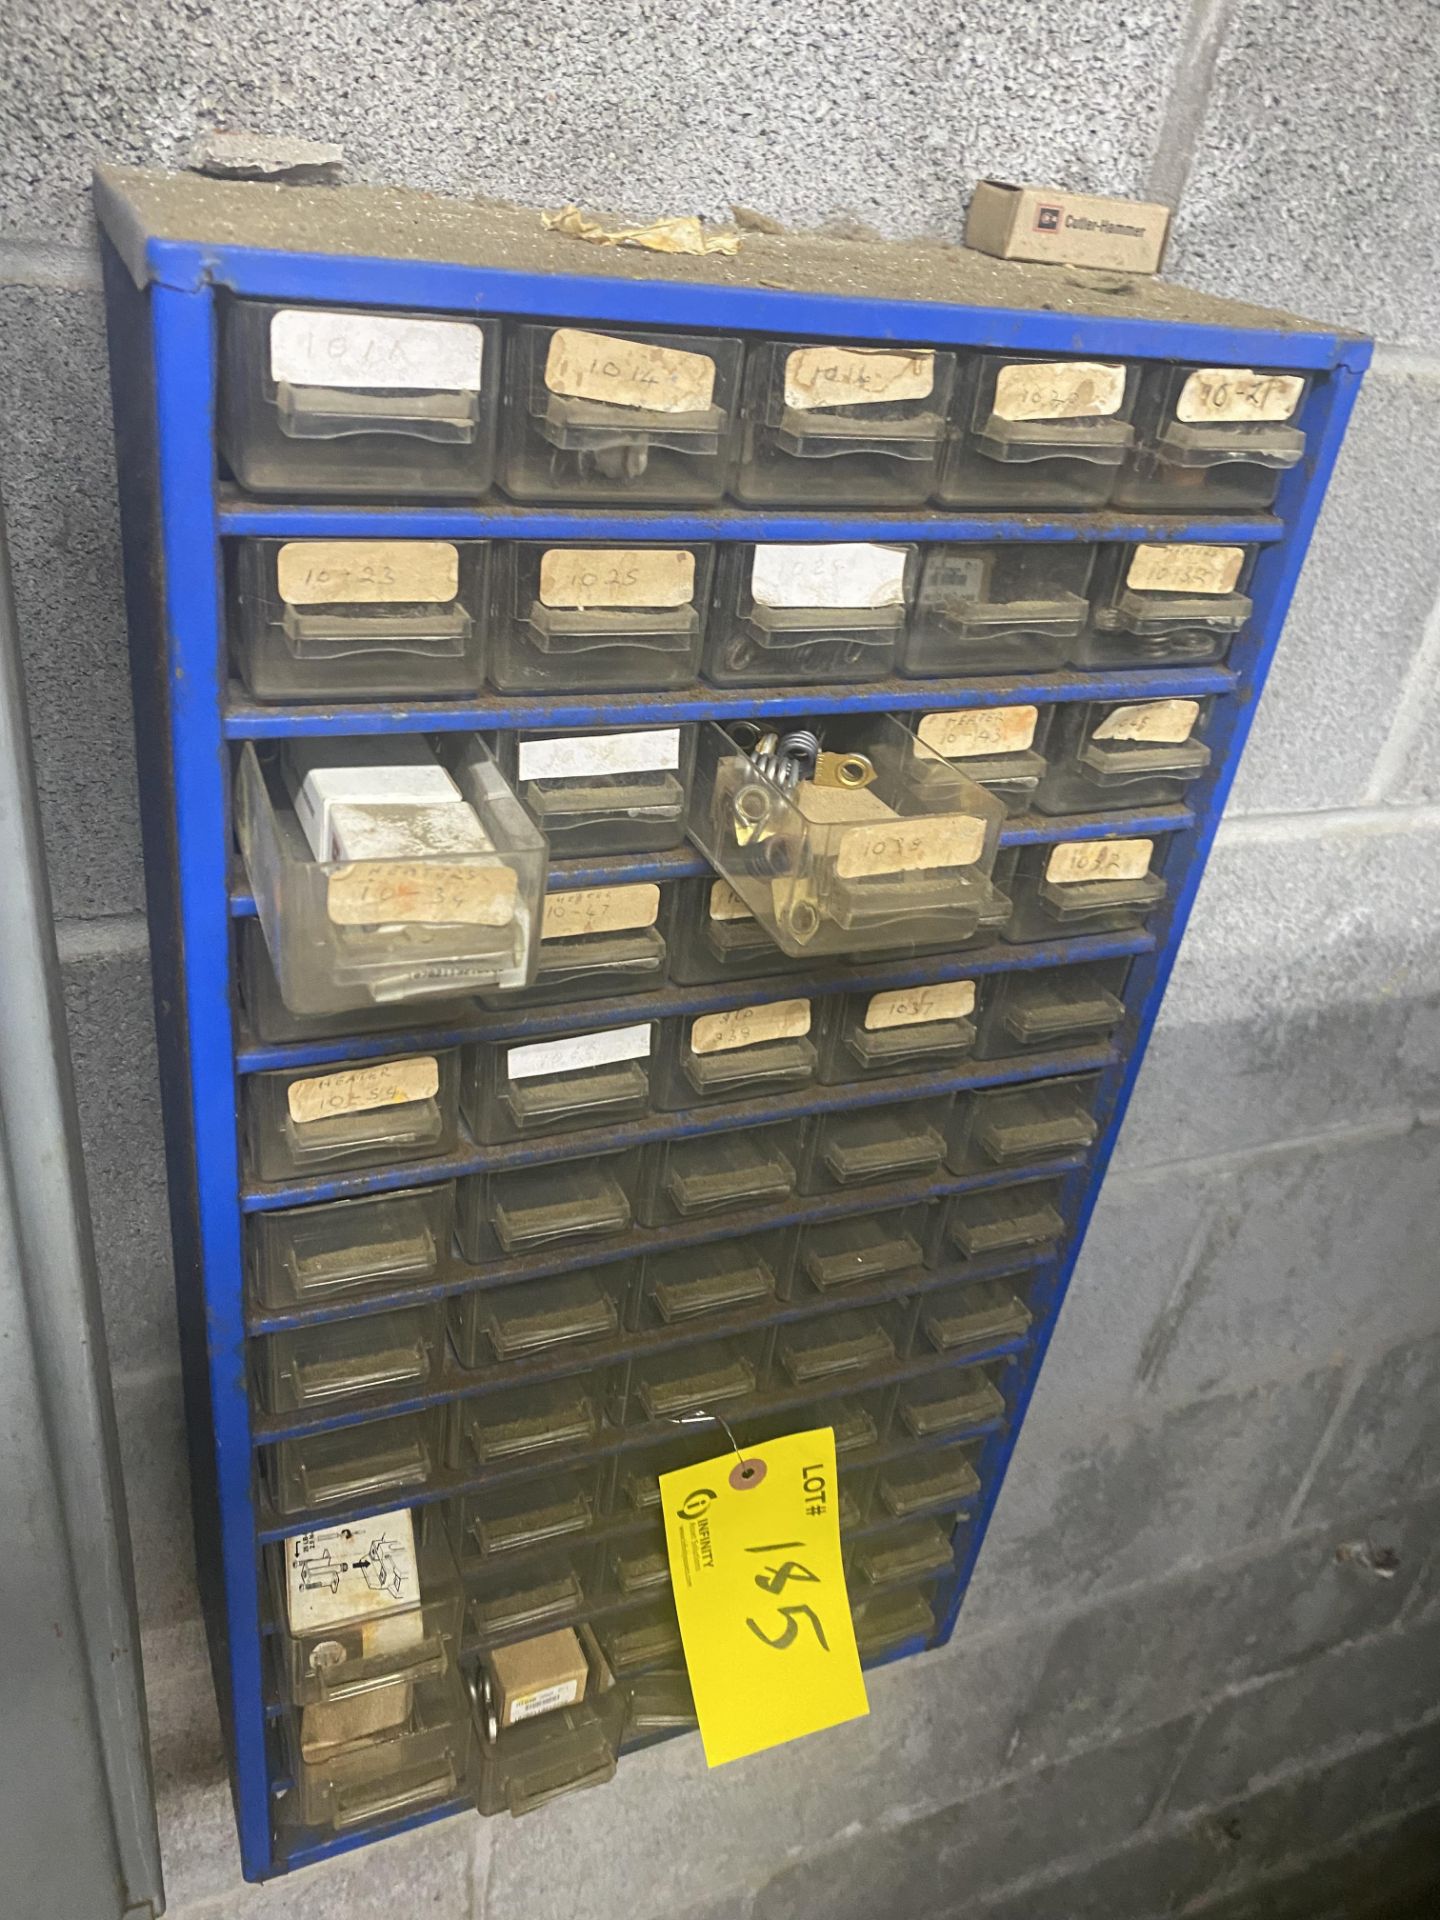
<point>671,794</point>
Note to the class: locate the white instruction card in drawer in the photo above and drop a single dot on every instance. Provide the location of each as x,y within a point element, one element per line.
<point>590,756</point>
<point>311,347</point>
<point>351,1572</point>
<point>575,1055</point>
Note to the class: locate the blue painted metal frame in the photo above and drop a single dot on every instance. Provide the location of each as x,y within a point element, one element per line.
<point>190,894</point>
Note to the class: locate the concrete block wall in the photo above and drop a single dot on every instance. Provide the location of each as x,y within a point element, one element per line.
<point>1196,1672</point>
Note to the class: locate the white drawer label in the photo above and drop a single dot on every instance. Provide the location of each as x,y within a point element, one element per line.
<point>848,574</point>
<point>910,846</point>
<point>324,573</point>
<point>1227,394</point>
<point>344,1573</point>
<point>1185,569</point>
<point>1165,722</point>
<point>1077,860</point>
<point>855,376</point>
<point>526,1706</point>
<point>573,1056</point>
<point>986,730</point>
<point>917,1006</point>
<point>726,904</point>
<point>1059,390</point>
<point>392,1083</point>
<point>617,577</point>
<point>584,756</point>
<point>750,1026</point>
<point>628,373</point>
<point>430,893</point>
<point>312,348</point>
<point>600,910</point>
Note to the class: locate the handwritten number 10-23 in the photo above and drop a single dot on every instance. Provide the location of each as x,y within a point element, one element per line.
<point>774,1580</point>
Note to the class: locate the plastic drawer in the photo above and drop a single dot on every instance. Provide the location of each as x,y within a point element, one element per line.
<point>742,1053</point>
<point>1213,439</point>
<point>359,619</point>
<point>998,1221</point>
<point>604,793</point>
<point>593,619</point>
<point>361,933</point>
<point>980,1314</point>
<point>717,1173</point>
<point>808,615</point>
<point>269,1019</point>
<point>420,1760</point>
<point>1158,606</point>
<point>713,936</point>
<point>928,1029</point>
<point>635,416</point>
<point>551,1752</point>
<point>898,863</point>
<point>893,1619</point>
<point>1052,1007</point>
<point>684,1284</point>
<point>355,1466</point>
<point>335,400</point>
<point>1081,886</point>
<point>874,1145</point>
<point>595,942</point>
<point>1108,754</point>
<point>343,1249</point>
<point>557,1086</point>
<point>865,1249</point>
<point>955,1401</point>
<point>531,1209</point>
<point>1000,748</point>
<point>539,1422</point>
<point>1002,1127</point>
<point>997,609</point>
<point>728,1375</point>
<point>935,1480</point>
<point>1029,432</point>
<point>300,1122</point>
<point>828,425</point>
<point>534,1317</point>
<point>310,1369</point>
<point>547,1510</point>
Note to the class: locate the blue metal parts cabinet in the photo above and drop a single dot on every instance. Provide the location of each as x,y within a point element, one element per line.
<point>180,254</point>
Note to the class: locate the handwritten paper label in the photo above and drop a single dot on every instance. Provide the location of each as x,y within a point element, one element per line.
<point>617,577</point>
<point>599,910</point>
<point>345,1573</point>
<point>1163,722</point>
<point>1059,390</point>
<point>918,1006</point>
<point>750,1026</point>
<point>374,893</point>
<point>726,904</point>
<point>325,573</point>
<point>759,1588</point>
<point>986,730</point>
<point>910,846</point>
<point>856,376</point>
<point>586,756</point>
<point>312,347</point>
<point>1185,569</point>
<point>1227,394</point>
<point>1078,860</point>
<point>850,574</point>
<point>390,1083</point>
<point>628,373</point>
<point>573,1056</point>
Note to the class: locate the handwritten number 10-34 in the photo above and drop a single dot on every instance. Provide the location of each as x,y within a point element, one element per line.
<point>774,1580</point>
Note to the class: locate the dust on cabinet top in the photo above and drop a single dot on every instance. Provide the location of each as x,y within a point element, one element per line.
<point>175,229</point>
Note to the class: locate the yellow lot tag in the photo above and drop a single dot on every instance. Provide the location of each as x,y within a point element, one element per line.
<point>754,1551</point>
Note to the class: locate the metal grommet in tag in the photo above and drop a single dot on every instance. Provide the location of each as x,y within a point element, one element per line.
<point>746,1474</point>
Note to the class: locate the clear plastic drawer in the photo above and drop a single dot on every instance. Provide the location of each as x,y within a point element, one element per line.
<point>874,1146</point>
<point>1019,608</point>
<point>545,1510</point>
<point>1002,1220</point>
<point>827,425</point>
<point>742,1053</point>
<point>1052,1007</point>
<point>554,1750</point>
<point>359,619</point>
<point>884,848</point>
<point>1038,433</point>
<point>300,1122</point>
<point>269,1019</point>
<point>532,1208</point>
<point>717,1173</point>
<point>641,1637</point>
<point>557,1086</point>
<point>355,1466</point>
<point>713,936</point>
<point>595,942</point>
<point>1213,439</point>
<point>1000,748</point>
<point>309,1256</point>
<point>998,1127</point>
<point>395,924</point>
<point>534,1317</point>
<point>717,1375</point>
<point>309,1369</point>
<point>604,793</point>
<point>863,1250</point>
<point>635,416</point>
<point>1176,605</point>
<point>539,1422</point>
<point>935,1480</point>
<point>837,1345</point>
<point>337,400</point>
<point>593,619</point>
<point>808,615</point>
<point>1108,754</point>
<point>529,1598</point>
<point>893,1620</point>
<point>1081,886</point>
<point>981,1314</point>
<point>419,1760</point>
<point>954,1401</point>
<point>925,1029</point>
<point>685,1284</point>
